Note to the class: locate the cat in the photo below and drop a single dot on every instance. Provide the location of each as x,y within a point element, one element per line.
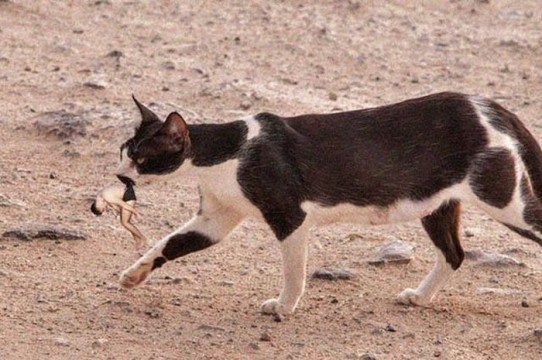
<point>417,159</point>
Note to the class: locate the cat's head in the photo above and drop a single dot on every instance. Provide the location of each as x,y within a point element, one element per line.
<point>157,147</point>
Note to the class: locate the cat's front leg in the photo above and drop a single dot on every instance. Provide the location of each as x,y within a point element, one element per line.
<point>294,263</point>
<point>202,231</point>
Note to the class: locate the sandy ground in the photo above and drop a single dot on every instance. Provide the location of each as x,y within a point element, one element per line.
<point>217,61</point>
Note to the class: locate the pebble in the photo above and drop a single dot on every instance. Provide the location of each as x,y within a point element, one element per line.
<point>99,343</point>
<point>30,232</point>
<point>206,327</point>
<point>368,356</point>
<point>483,258</point>
<point>245,105</point>
<point>60,341</point>
<point>524,304</point>
<point>96,82</point>
<point>62,124</point>
<point>332,274</point>
<point>496,291</point>
<point>265,337</point>
<point>538,333</point>
<point>396,252</point>
<point>390,328</point>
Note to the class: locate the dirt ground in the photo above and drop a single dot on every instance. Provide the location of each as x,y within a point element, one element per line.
<point>216,61</point>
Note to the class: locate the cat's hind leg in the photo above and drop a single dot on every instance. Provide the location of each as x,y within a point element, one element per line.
<point>442,227</point>
<point>294,263</point>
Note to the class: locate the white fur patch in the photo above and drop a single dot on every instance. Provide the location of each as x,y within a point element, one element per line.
<point>496,138</point>
<point>254,127</point>
<point>401,210</point>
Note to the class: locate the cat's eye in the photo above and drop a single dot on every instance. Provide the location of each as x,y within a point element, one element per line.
<point>140,161</point>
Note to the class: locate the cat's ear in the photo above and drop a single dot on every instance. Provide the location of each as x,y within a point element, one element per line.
<point>147,116</point>
<point>175,129</point>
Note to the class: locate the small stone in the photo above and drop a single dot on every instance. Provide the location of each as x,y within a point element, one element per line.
<point>265,337</point>
<point>96,82</point>
<point>496,291</point>
<point>206,327</point>
<point>62,124</point>
<point>99,343</point>
<point>483,258</point>
<point>31,232</point>
<point>367,356</point>
<point>60,341</point>
<point>168,65</point>
<point>153,313</point>
<point>396,252</point>
<point>245,105</point>
<point>254,346</point>
<point>538,333</point>
<point>332,274</point>
<point>390,328</point>
<point>115,54</point>
<point>524,303</point>
<point>332,96</point>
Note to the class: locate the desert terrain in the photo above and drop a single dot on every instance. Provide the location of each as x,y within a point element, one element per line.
<point>67,73</point>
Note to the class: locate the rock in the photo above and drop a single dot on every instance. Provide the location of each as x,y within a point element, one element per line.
<point>265,337</point>
<point>60,341</point>
<point>395,252</point>
<point>524,303</point>
<point>496,291</point>
<point>483,258</point>
<point>245,105</point>
<point>254,346</point>
<point>168,65</point>
<point>538,333</point>
<point>7,202</point>
<point>117,54</point>
<point>96,82</point>
<point>99,343</point>
<point>332,274</point>
<point>62,124</point>
<point>153,313</point>
<point>367,356</point>
<point>206,327</point>
<point>31,232</point>
<point>332,96</point>
<point>390,328</point>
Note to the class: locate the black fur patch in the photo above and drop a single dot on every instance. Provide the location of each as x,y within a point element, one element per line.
<point>158,262</point>
<point>442,227</point>
<point>183,244</point>
<point>94,209</point>
<point>376,156</point>
<point>493,177</point>
<point>129,194</point>
<point>530,152</point>
<point>213,144</point>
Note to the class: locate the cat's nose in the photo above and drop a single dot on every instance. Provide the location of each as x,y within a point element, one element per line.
<point>126,180</point>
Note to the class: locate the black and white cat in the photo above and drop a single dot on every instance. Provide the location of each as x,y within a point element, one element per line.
<point>418,159</point>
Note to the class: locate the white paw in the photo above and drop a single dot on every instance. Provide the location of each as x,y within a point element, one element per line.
<point>274,307</point>
<point>412,297</point>
<point>135,275</point>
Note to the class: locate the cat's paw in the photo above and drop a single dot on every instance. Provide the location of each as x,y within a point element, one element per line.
<point>135,275</point>
<point>412,297</point>
<point>274,307</point>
